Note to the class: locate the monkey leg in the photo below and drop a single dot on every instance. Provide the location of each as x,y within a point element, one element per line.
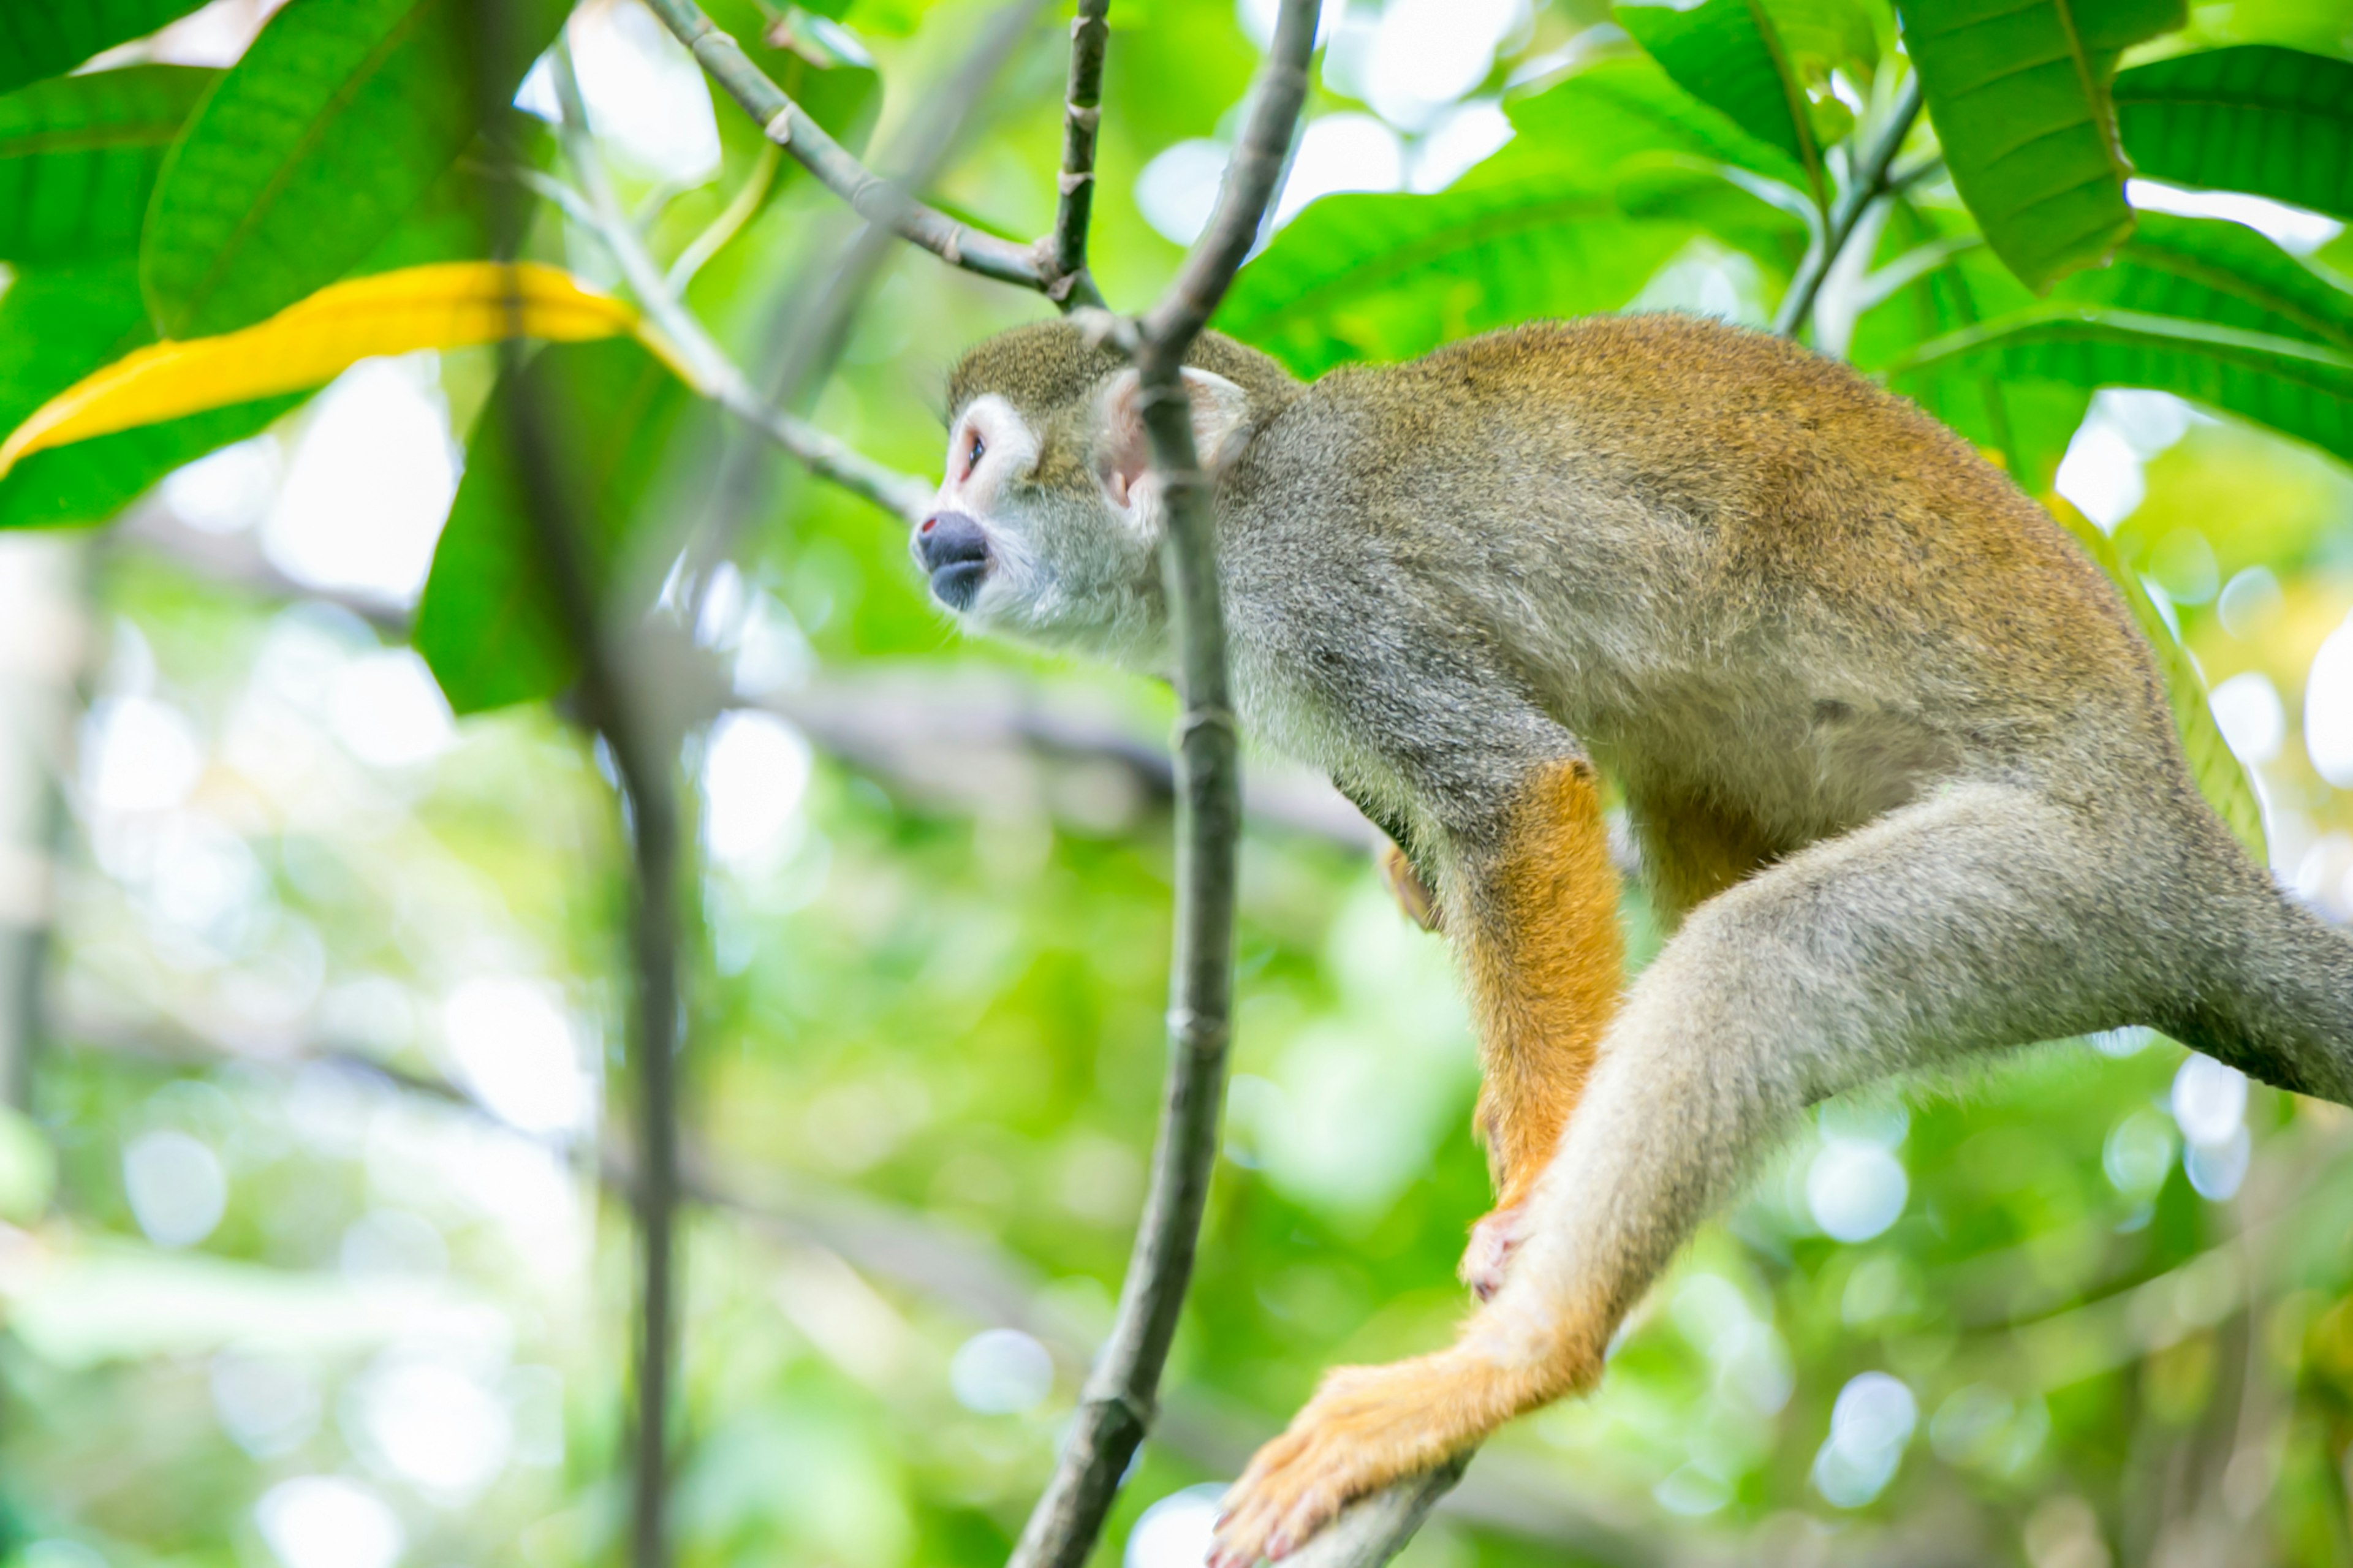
<point>1981,918</point>
<point>1535,922</point>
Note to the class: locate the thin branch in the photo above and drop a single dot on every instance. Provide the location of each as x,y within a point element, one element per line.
<point>635,726</point>
<point>1869,183</point>
<point>714,374</point>
<point>1066,246</point>
<point>869,195</point>
<point>1117,1405</point>
<point>1378,1529</point>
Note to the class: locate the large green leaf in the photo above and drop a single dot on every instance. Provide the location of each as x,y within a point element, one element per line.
<point>2222,274</point>
<point>55,327</point>
<point>1729,55</point>
<point>44,37</point>
<point>1386,277</point>
<point>489,622</point>
<point>79,157</point>
<point>2019,97</point>
<point>2296,386</point>
<point>2268,121</point>
<point>2221,777</point>
<point>1541,229</point>
<point>338,118</point>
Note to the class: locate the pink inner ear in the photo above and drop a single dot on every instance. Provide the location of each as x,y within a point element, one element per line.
<point>1125,453</point>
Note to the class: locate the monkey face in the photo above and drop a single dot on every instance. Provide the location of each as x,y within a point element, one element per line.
<point>1025,537</point>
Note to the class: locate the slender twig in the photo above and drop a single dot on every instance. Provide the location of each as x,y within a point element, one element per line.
<point>1869,181</point>
<point>869,195</point>
<point>715,375</point>
<point>818,302</point>
<point>644,754</point>
<point>1117,1405</point>
<point>1065,249</point>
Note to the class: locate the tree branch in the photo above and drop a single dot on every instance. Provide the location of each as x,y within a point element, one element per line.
<point>644,754</point>
<point>1065,248</point>
<point>715,375</point>
<point>869,195</point>
<point>1870,180</point>
<point>1117,1405</point>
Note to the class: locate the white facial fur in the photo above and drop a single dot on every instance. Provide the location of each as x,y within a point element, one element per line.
<point>1071,565</point>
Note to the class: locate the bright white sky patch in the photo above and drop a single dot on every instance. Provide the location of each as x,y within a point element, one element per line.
<point>388,712</point>
<point>1341,152</point>
<point>436,1426</point>
<point>176,1187</point>
<point>2101,474</point>
<point>2328,708</point>
<point>754,773</point>
<point>2293,229</point>
<point>1869,1426</point>
<point>326,1521</point>
<point>514,1046</point>
<point>1428,53</point>
<point>138,754</point>
<point>646,97</point>
<point>369,483</point>
<point>1175,1531</point>
<point>226,490</point>
<point>2254,721</point>
<point>1177,190</point>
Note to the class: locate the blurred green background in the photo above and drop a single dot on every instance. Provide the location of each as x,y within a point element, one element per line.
<point>306,1255</point>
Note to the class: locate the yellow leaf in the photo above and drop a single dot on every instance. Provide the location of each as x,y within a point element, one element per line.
<point>309,343</point>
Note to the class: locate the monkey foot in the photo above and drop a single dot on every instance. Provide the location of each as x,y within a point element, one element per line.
<point>1368,1425</point>
<point>1493,1241</point>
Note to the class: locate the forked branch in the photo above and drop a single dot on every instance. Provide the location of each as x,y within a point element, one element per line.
<point>1117,1406</point>
<point>873,197</point>
<point>1870,180</point>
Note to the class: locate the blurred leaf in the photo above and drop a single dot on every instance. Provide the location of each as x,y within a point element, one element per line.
<point>448,305</point>
<point>2207,269</point>
<point>2296,387</point>
<point>1734,205</point>
<point>44,37</point>
<point>2221,777</point>
<point>78,158</point>
<point>338,118</point>
<point>2027,422</point>
<point>57,326</point>
<point>1729,55</point>
<point>489,622</point>
<point>1390,277</point>
<point>2020,99</point>
<point>1583,127</point>
<point>1536,231</point>
<point>2271,121</point>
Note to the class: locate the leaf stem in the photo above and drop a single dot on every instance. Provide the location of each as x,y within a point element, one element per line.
<point>1870,180</point>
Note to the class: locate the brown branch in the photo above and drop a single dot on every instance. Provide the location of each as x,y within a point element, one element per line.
<point>1869,182</point>
<point>1117,1405</point>
<point>1065,248</point>
<point>869,195</point>
<point>644,753</point>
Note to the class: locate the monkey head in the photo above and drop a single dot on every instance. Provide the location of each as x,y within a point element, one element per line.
<point>1048,522</point>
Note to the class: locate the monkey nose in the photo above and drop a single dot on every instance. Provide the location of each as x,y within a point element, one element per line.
<point>955,551</point>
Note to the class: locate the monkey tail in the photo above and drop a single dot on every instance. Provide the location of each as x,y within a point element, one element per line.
<point>2275,999</point>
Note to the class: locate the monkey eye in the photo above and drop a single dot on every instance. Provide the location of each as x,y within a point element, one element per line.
<point>972,458</point>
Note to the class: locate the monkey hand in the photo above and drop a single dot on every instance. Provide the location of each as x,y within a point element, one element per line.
<point>1493,1241</point>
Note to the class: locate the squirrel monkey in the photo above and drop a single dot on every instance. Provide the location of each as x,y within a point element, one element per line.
<point>1898,765</point>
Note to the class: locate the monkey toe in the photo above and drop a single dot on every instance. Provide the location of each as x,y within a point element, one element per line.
<point>1494,1241</point>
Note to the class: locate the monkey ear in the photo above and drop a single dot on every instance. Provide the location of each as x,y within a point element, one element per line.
<point>1124,460</point>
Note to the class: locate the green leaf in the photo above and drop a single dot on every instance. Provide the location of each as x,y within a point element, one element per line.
<point>336,121</point>
<point>55,327</point>
<point>1728,54</point>
<point>2297,387</point>
<point>44,37</point>
<point>489,624</point>
<point>1583,129</point>
<point>1538,230</point>
<point>1390,277</point>
<point>2266,121</point>
<point>2020,99</point>
<point>2220,273</point>
<point>78,158</point>
<point>2221,777</point>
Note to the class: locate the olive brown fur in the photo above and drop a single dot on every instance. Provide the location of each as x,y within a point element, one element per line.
<point>1898,765</point>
